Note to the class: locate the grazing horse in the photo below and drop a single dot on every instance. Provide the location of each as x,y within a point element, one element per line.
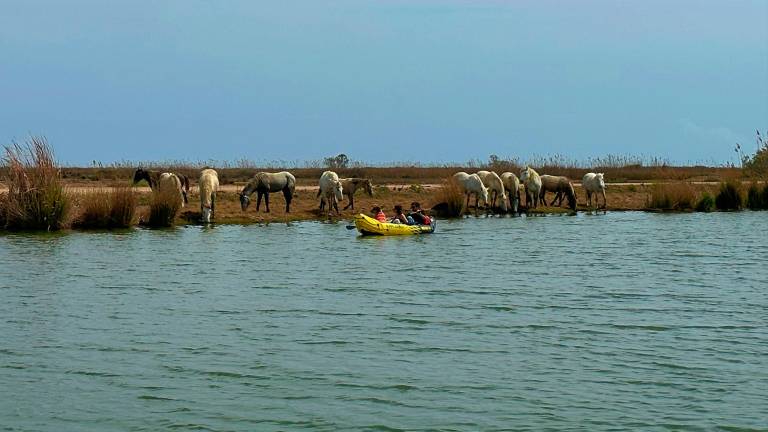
<point>169,184</point>
<point>331,190</point>
<point>153,177</point>
<point>472,184</point>
<point>532,182</point>
<point>264,183</point>
<point>209,184</point>
<point>512,187</point>
<point>561,186</point>
<point>350,185</point>
<point>594,183</point>
<point>493,182</point>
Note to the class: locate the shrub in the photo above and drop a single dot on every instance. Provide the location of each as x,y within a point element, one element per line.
<point>163,208</point>
<point>107,208</point>
<point>754,198</point>
<point>450,198</point>
<point>706,203</point>
<point>672,196</point>
<point>36,199</point>
<point>123,201</point>
<point>729,197</point>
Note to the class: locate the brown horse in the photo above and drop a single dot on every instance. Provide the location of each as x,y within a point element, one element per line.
<point>561,186</point>
<point>350,185</point>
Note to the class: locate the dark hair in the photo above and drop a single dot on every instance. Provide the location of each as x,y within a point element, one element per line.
<point>376,209</point>
<point>416,204</point>
<point>398,209</point>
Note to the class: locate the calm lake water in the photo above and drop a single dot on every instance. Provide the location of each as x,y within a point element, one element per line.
<point>624,321</point>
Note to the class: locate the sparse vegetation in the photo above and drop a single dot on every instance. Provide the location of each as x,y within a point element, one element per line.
<point>36,199</point>
<point>672,196</point>
<point>756,165</point>
<point>729,196</point>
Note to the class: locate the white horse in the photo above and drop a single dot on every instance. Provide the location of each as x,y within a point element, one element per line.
<point>493,182</point>
<point>594,183</point>
<point>331,191</point>
<point>170,184</point>
<point>532,182</point>
<point>209,185</point>
<point>472,184</point>
<point>512,186</point>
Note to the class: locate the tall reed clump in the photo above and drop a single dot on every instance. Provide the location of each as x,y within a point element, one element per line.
<point>672,196</point>
<point>163,208</point>
<point>450,198</point>
<point>706,203</point>
<point>36,199</point>
<point>729,196</point>
<point>107,208</point>
<point>757,197</point>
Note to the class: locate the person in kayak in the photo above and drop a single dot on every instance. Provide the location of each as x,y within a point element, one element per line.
<point>378,214</point>
<point>418,214</point>
<point>400,217</point>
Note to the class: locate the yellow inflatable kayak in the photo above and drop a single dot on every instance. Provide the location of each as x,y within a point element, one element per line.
<point>370,226</point>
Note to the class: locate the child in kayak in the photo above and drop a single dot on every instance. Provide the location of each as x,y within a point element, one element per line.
<point>378,214</point>
<point>400,217</point>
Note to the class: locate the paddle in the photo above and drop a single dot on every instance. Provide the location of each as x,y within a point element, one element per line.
<point>350,227</point>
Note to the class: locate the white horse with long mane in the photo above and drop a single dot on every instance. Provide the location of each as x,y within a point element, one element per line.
<point>532,182</point>
<point>495,186</point>
<point>209,185</point>
<point>331,191</point>
<point>170,184</point>
<point>512,186</point>
<point>472,184</point>
<point>594,183</point>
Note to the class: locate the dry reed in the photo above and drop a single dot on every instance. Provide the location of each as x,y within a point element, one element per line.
<point>163,208</point>
<point>672,196</point>
<point>36,199</point>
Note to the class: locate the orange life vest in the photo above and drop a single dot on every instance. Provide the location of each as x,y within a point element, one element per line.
<point>381,217</point>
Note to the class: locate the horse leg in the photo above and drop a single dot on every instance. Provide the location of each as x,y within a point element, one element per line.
<point>605,203</point>
<point>288,198</point>
<point>258,200</point>
<point>558,196</point>
<point>266,201</point>
<point>467,206</point>
<point>350,203</point>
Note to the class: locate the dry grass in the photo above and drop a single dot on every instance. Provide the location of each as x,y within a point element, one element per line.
<point>757,197</point>
<point>450,199</point>
<point>107,208</point>
<point>36,199</point>
<point>163,208</point>
<point>672,196</point>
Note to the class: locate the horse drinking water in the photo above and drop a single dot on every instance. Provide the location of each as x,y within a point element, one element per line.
<point>209,185</point>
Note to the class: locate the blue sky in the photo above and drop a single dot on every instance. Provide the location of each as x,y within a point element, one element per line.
<point>383,81</point>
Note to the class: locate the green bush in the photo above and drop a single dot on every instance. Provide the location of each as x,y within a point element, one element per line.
<point>706,203</point>
<point>729,197</point>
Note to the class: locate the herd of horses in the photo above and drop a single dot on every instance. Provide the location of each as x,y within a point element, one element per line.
<point>332,189</point>
<point>496,191</point>
<point>503,191</point>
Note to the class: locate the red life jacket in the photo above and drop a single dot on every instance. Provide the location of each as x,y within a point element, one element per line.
<point>381,217</point>
<point>427,220</point>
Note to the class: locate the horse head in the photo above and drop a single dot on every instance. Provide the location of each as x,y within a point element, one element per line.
<point>338,191</point>
<point>601,180</point>
<point>368,187</point>
<point>139,175</point>
<point>524,174</point>
<point>206,214</point>
<point>244,201</point>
